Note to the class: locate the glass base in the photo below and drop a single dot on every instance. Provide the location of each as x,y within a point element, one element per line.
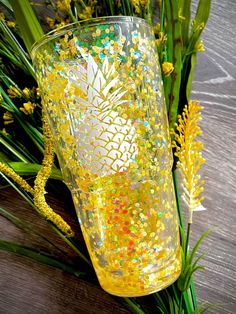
<point>150,283</point>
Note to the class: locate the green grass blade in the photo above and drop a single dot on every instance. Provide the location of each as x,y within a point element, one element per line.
<point>15,45</point>
<point>186,13</point>
<point>30,28</point>
<point>194,250</point>
<point>6,4</point>
<point>12,149</point>
<point>25,226</point>
<point>193,60</point>
<point>160,302</point>
<point>69,241</point>
<point>38,256</point>
<point>174,55</point>
<point>203,11</point>
<point>133,306</point>
<point>28,169</point>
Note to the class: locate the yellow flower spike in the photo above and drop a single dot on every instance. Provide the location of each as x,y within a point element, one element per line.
<point>28,108</point>
<point>41,179</point>
<point>14,92</point>
<point>190,160</point>
<point>14,176</point>
<point>8,118</point>
<point>167,68</point>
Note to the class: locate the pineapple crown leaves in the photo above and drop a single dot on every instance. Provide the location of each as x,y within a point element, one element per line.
<point>96,83</point>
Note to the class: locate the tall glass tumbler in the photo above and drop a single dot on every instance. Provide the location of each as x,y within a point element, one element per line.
<point>101,86</point>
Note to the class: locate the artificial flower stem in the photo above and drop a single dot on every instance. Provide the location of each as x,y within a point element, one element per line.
<point>175,181</point>
<point>187,241</point>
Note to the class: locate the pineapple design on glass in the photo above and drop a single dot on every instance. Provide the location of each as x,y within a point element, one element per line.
<point>102,90</point>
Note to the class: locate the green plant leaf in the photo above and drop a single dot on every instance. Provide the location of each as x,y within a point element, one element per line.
<point>201,309</point>
<point>30,28</point>
<point>203,11</point>
<point>26,226</point>
<point>16,47</point>
<point>6,4</point>
<point>185,10</point>
<point>27,169</point>
<point>174,55</point>
<point>133,306</point>
<point>194,250</point>
<point>160,302</point>
<point>193,60</point>
<point>38,256</point>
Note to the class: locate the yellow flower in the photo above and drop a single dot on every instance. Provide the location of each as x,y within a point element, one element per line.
<point>11,24</point>
<point>26,92</point>
<point>156,28</point>
<point>86,13</point>
<point>188,151</point>
<point>28,108</point>
<point>136,5</point>
<point>8,118</point>
<point>63,5</point>
<point>2,16</point>
<point>4,131</point>
<point>161,40</point>
<point>50,22</point>
<point>167,68</point>
<point>14,92</point>
<point>199,46</point>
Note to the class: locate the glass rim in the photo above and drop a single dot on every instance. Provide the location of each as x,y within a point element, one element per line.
<point>82,24</point>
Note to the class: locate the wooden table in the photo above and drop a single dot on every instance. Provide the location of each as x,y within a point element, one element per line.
<point>29,287</point>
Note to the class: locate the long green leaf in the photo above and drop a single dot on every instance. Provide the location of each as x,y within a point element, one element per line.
<point>186,14</point>
<point>27,169</point>
<point>30,28</point>
<point>69,241</point>
<point>203,11</point>
<point>38,256</point>
<point>135,308</point>
<point>15,45</point>
<point>193,60</point>
<point>6,4</point>
<point>174,55</point>
<point>25,226</point>
<point>194,250</point>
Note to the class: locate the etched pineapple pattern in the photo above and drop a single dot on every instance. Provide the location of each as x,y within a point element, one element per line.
<point>106,141</point>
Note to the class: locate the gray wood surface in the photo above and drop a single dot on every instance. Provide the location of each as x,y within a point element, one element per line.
<point>28,287</point>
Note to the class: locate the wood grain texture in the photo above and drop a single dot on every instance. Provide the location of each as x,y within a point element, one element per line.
<point>27,287</point>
